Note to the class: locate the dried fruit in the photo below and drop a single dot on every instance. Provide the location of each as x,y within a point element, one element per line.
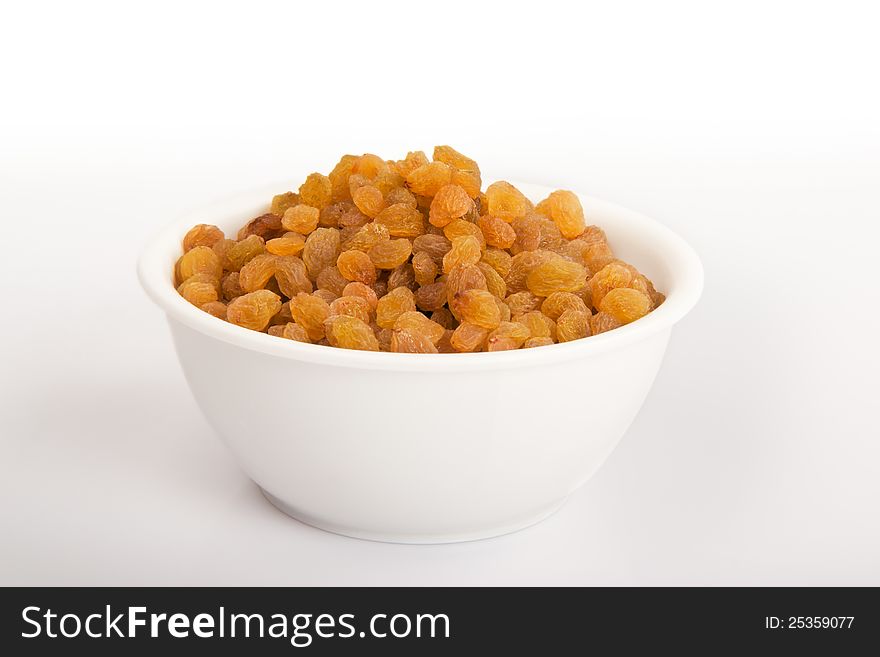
<point>572,325</point>
<point>321,250</point>
<point>288,244</point>
<point>350,333</point>
<point>556,275</point>
<point>368,200</point>
<point>402,220</point>
<point>468,337</point>
<point>310,312</point>
<point>316,191</point>
<point>450,202</point>
<point>411,256</point>
<point>356,266</point>
<point>253,310</point>
<point>301,219</point>
<point>408,342</point>
<point>389,254</point>
<point>558,302</point>
<point>625,304</point>
<point>393,305</point>
<point>477,307</point>
<point>506,202</point>
<point>202,235</point>
<point>564,208</point>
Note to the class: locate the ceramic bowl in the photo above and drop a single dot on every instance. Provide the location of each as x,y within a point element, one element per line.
<point>423,448</point>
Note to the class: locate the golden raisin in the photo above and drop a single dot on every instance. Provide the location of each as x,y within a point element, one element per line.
<point>356,266</point>
<point>506,202</point>
<point>288,244</point>
<point>468,337</point>
<point>564,208</point>
<point>202,235</point>
<point>465,251</point>
<point>316,191</point>
<point>415,322</point>
<point>625,304</point>
<point>310,312</point>
<point>350,333</point>
<point>477,307</point>
<point>556,275</point>
<point>280,202</point>
<point>321,250</point>
<point>368,200</point>
<point>353,307</point>
<point>253,310</point>
<point>572,325</point>
<point>365,292</point>
<point>389,254</point>
<point>558,302</point>
<point>401,220</point>
<point>199,260</point>
<point>427,179</point>
<point>450,202</point>
<point>301,219</point>
<point>498,233</point>
<point>408,342</point>
<point>393,305</point>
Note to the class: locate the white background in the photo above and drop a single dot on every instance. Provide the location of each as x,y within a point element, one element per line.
<point>751,129</point>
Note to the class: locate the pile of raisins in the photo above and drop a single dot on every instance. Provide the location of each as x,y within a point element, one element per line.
<point>412,256</point>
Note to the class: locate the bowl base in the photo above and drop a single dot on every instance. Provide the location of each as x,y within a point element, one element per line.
<point>532,518</point>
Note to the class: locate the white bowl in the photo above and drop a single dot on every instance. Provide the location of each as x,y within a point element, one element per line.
<point>423,448</point>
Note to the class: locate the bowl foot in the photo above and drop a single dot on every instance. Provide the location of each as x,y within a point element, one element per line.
<point>528,520</point>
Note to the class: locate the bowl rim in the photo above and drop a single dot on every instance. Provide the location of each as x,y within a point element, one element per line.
<point>684,290</point>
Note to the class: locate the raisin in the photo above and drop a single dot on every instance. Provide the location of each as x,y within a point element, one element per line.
<point>402,276</point>
<point>198,290</point>
<point>288,244</point>
<point>310,312</point>
<point>401,195</point>
<point>431,297</point>
<point>321,250</point>
<point>537,342</point>
<point>367,237</point>
<point>556,275</point>
<point>291,276</point>
<point>410,163</point>
<point>369,166</point>
<point>497,259</point>
<point>301,219</point>
<point>494,283</point>
<point>522,302</point>
<point>443,317</point>
<point>356,266</point>
<point>435,246</point>
<point>353,307</point>
<point>408,342</point>
<point>280,202</point>
<point>230,286</point>
<point>368,200</point>
<point>476,307</point>
<point>331,279</point>
<point>199,260</point>
<point>257,272</point>
<point>572,325</point>
<point>216,308</point>
<point>241,252</point>
<point>609,277</point>
<point>327,295</point>
<point>202,235</point>
<point>316,191</point>
<point>498,233</point>
<point>450,202</point>
<point>390,253</point>
<point>538,324</point>
<point>468,337</point>
<point>602,322</point>
<point>558,302</point>
<point>266,226</point>
<point>293,331</point>
<point>465,251</point>
<point>401,220</point>
<point>464,228</point>
<point>597,255</point>
<point>528,234</point>
<point>424,268</point>
<point>339,178</point>
<point>350,333</point>
<point>253,310</point>
<point>515,331</point>
<point>522,265</point>
<point>506,202</point>
<point>365,292</point>
<point>393,305</point>
<point>415,322</point>
<point>427,179</point>
<point>564,208</point>
<point>625,304</point>
<point>464,277</point>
